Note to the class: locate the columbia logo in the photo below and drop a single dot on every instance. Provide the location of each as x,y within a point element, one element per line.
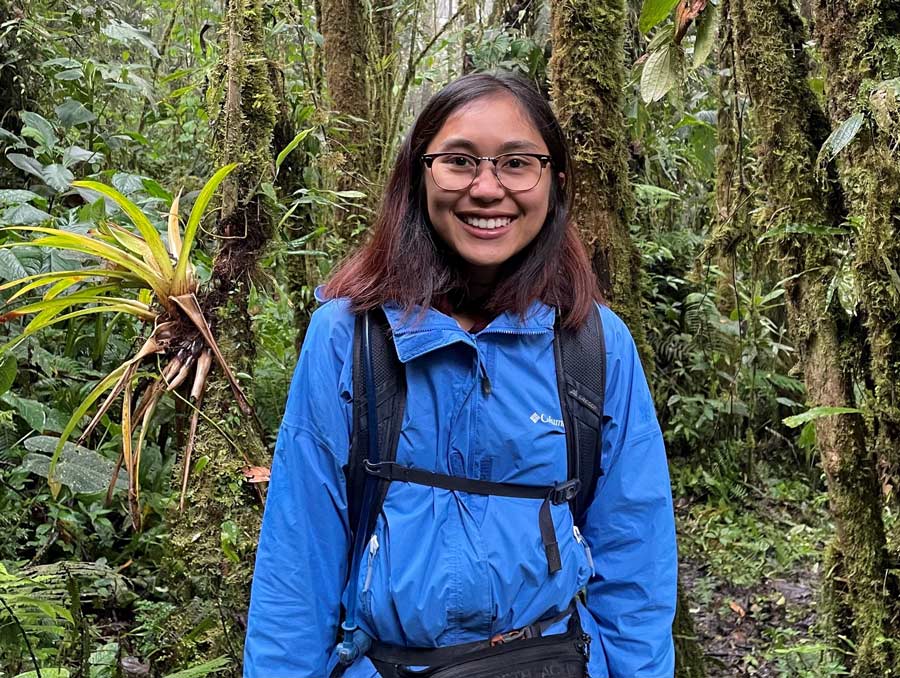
<point>535,418</point>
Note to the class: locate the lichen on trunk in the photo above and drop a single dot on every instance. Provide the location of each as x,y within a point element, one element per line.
<point>789,128</point>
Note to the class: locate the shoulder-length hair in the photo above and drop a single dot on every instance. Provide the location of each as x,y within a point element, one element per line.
<point>404,261</point>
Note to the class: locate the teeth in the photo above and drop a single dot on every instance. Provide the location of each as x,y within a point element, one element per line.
<point>487,224</point>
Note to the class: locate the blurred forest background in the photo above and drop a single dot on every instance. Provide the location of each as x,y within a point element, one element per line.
<point>176,177</point>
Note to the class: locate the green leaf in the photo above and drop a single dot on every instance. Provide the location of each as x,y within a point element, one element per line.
<point>33,412</point>
<point>10,267</point>
<point>82,470</point>
<point>14,196</point>
<point>659,74</point>
<point>201,670</point>
<point>154,190</point>
<point>58,177</point>
<point>23,215</point>
<point>45,673</point>
<point>817,413</point>
<point>286,151</point>
<point>26,164</point>
<point>654,11</point>
<point>706,35</point>
<point>72,113</point>
<point>801,229</point>
<point>122,31</point>
<point>8,370</point>
<point>77,154</point>
<point>43,130</point>
<point>841,137</point>
<point>193,223</point>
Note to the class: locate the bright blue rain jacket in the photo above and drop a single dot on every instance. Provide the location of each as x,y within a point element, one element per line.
<point>448,567</point>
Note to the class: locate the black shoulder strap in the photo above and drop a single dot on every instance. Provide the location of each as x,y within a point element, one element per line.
<point>581,379</point>
<point>390,387</point>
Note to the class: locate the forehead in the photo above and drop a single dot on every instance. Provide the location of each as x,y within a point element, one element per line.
<point>487,125</point>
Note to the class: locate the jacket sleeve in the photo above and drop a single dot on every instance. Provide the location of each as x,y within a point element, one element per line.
<point>301,561</point>
<point>630,523</point>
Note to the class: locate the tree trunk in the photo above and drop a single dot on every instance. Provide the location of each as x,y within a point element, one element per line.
<point>343,24</point>
<point>213,541</point>
<point>858,42</point>
<point>587,77</point>
<point>789,128</point>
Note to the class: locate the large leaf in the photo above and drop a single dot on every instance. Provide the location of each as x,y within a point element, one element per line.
<point>72,113</point>
<point>202,670</point>
<point>10,267</point>
<point>181,284</point>
<point>841,137</point>
<point>654,11</point>
<point>38,128</point>
<point>286,151</point>
<point>82,470</point>
<point>58,177</point>
<point>33,412</point>
<point>8,369</point>
<point>27,164</point>
<point>125,32</point>
<point>817,413</point>
<point>660,73</point>
<point>706,35</point>
<point>23,215</point>
<point>16,196</point>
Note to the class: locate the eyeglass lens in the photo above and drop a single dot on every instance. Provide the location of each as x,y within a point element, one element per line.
<point>515,172</point>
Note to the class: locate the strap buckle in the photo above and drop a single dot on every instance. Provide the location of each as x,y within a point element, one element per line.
<point>565,492</point>
<point>509,636</point>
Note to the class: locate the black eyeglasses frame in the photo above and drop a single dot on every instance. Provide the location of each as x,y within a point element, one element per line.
<point>429,158</point>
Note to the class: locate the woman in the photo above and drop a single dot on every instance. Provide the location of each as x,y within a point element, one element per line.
<point>472,258</point>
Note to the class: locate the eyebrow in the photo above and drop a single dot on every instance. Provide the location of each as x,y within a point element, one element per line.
<point>505,147</point>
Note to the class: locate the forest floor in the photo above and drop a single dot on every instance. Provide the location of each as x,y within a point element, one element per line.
<point>751,560</point>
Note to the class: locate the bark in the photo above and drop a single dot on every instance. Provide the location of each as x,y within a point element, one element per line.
<point>213,541</point>
<point>789,128</point>
<point>858,42</point>
<point>587,76</point>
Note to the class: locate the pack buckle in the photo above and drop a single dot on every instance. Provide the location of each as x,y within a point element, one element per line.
<point>565,492</point>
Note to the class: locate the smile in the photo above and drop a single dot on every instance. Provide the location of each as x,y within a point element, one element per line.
<point>486,224</point>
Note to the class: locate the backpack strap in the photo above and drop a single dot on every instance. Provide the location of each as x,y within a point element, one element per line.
<point>390,403</point>
<point>581,379</point>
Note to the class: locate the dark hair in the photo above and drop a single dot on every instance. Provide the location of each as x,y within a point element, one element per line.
<point>404,261</point>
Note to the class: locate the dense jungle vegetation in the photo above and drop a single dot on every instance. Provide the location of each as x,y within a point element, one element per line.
<point>177,177</point>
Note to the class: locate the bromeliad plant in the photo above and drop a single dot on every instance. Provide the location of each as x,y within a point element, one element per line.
<point>180,344</point>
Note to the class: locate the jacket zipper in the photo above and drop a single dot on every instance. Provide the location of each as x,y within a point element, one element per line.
<point>373,549</point>
<point>587,548</point>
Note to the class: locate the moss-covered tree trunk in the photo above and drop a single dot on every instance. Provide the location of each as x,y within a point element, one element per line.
<point>858,41</point>
<point>789,128</point>
<point>213,540</point>
<point>587,78</point>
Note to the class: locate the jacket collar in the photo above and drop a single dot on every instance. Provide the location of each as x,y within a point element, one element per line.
<point>420,332</point>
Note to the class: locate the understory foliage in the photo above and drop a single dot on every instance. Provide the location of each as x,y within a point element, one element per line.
<point>117,123</point>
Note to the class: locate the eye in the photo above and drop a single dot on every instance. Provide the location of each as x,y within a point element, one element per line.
<point>517,162</point>
<point>457,161</point>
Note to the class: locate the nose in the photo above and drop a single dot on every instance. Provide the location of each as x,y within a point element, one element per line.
<point>486,186</point>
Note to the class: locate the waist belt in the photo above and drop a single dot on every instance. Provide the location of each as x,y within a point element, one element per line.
<point>560,493</point>
<point>441,656</point>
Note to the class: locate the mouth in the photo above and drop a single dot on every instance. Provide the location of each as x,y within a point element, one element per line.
<point>483,224</point>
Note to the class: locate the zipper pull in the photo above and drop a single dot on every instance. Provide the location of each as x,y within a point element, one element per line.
<point>373,549</point>
<point>587,548</point>
<point>485,380</point>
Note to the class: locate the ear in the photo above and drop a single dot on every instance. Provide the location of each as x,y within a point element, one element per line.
<point>562,178</point>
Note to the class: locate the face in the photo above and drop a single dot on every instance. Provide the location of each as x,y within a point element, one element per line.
<point>486,224</point>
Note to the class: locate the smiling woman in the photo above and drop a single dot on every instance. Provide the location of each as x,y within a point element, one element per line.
<point>500,499</point>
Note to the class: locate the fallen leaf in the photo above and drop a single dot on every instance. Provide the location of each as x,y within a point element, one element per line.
<point>256,474</point>
<point>737,609</point>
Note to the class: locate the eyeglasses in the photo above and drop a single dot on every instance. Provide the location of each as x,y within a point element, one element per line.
<point>516,172</point>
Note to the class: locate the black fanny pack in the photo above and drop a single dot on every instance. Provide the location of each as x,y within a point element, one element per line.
<point>524,653</point>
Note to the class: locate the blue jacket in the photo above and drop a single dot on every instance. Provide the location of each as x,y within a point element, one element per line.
<point>443,567</point>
